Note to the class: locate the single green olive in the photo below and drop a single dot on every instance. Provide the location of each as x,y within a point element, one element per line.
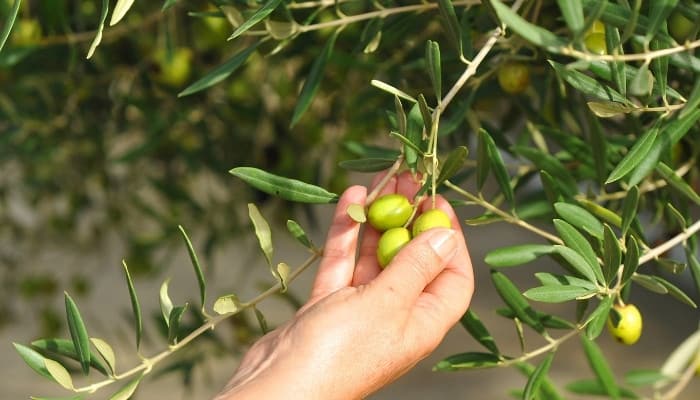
<point>175,70</point>
<point>680,27</point>
<point>597,27</point>
<point>629,327</point>
<point>389,211</point>
<point>514,77</point>
<point>26,32</point>
<point>595,43</point>
<point>390,243</point>
<point>431,219</point>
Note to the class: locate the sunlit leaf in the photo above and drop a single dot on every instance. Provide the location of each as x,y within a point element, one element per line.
<point>9,23</point>
<point>120,10</point>
<point>106,352</point>
<point>227,304</point>
<point>283,271</point>
<point>262,232</point>
<point>59,373</point>
<point>100,27</point>
<point>166,305</point>
<point>679,358</point>
<point>357,213</point>
<point>127,390</point>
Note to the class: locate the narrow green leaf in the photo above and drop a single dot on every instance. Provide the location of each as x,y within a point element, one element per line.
<point>414,135</point>
<point>468,360</point>
<point>512,298</point>
<point>693,100</point>
<point>537,376</point>
<point>135,307</point>
<point>572,11</point>
<point>54,348</point>
<point>367,164</point>
<point>106,352</point>
<point>452,164</point>
<point>580,218</point>
<point>516,255</point>
<point>659,11</point>
<point>530,32</point>
<point>558,294</point>
<point>262,322</point>
<point>605,214</point>
<point>677,182</point>
<point>166,305</point>
<point>612,254</point>
<point>371,35</point>
<point>100,27</point>
<point>409,146</point>
<point>588,85</point>
<point>298,232</point>
<point>59,373</point>
<point>547,278</point>
<point>694,265</point>
<point>472,323</point>
<point>580,264</point>
<point>33,359</point>
<point>669,135</point>
<point>285,188</point>
<point>262,232</point>
<point>432,57</point>
<point>617,68</point>
<point>600,367</point>
<point>221,72</point>
<point>259,15</point>
<point>127,390</point>
<point>547,390</point>
<point>197,267</point>
<point>574,239</point>
<point>643,377</point>
<point>9,23</point>
<point>648,282</point>
<point>675,291</point>
<point>227,304</point>
<point>595,388</point>
<point>78,333</point>
<point>483,163</point>
<point>449,18</point>
<point>636,155</point>
<point>391,90</point>
<point>120,10</point>
<point>167,4</point>
<point>629,209</point>
<point>401,120</point>
<point>425,113</point>
<point>660,64</point>
<point>313,80</point>
<point>174,322</point>
<point>598,318</point>
<point>551,164</point>
<point>599,149</point>
<point>498,166</point>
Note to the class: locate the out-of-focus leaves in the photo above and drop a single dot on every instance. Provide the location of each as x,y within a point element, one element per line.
<point>517,255</point>
<point>9,23</point>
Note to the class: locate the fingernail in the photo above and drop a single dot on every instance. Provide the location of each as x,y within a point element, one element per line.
<point>443,242</point>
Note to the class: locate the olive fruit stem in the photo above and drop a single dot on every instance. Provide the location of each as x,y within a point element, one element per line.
<point>390,173</point>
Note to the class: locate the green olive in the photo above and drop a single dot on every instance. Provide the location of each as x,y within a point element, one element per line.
<point>389,211</point>
<point>629,327</point>
<point>174,70</point>
<point>390,243</point>
<point>597,27</point>
<point>595,43</point>
<point>431,219</point>
<point>514,77</point>
<point>26,32</point>
<point>680,27</point>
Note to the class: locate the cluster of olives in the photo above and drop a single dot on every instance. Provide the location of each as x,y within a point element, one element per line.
<point>628,328</point>
<point>391,214</point>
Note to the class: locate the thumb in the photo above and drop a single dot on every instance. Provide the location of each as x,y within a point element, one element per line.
<point>418,263</point>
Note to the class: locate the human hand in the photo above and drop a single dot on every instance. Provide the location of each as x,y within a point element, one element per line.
<point>360,328</point>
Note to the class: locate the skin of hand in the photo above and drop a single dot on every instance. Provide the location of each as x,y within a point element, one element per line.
<point>362,329</point>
